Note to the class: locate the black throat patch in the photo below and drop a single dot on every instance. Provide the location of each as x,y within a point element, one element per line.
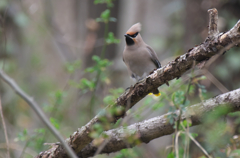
<point>129,41</point>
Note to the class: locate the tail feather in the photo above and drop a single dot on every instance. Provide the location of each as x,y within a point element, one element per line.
<point>157,95</point>
<point>155,92</point>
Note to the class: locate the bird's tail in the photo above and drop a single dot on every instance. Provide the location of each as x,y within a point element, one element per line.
<point>157,95</point>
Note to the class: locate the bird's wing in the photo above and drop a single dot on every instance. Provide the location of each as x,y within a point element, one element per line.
<point>154,57</point>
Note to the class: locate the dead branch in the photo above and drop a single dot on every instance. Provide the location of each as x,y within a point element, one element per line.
<point>213,45</point>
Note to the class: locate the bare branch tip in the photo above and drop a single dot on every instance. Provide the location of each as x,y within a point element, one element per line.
<point>213,21</point>
<point>213,10</point>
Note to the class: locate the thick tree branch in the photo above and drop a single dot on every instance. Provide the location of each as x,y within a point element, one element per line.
<point>159,126</point>
<point>174,69</point>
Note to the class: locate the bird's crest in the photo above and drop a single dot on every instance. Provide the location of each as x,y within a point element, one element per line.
<point>134,29</point>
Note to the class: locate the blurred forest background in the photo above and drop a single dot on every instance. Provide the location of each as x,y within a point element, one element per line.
<point>67,54</point>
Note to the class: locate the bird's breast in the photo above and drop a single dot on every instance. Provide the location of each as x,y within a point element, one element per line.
<point>138,61</point>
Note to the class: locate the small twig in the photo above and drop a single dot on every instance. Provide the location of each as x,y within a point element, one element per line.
<point>180,110</point>
<point>187,139</point>
<point>38,111</point>
<point>54,108</point>
<point>168,147</point>
<point>1,109</point>
<point>100,148</point>
<point>217,83</point>
<point>184,101</point>
<point>5,129</point>
<point>196,142</point>
<point>23,150</point>
<point>185,148</point>
<point>185,97</point>
<point>99,72</point>
<point>176,144</point>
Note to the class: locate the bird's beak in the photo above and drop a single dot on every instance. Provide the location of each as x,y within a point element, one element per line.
<point>127,36</point>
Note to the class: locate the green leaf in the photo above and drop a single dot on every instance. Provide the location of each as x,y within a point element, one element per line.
<point>97,1</point>
<point>186,123</point>
<point>126,153</point>
<point>40,130</point>
<point>86,84</point>
<point>191,89</point>
<point>170,155</point>
<point>178,97</point>
<point>90,69</point>
<point>105,15</point>
<point>114,93</point>
<point>25,132</point>
<point>22,136</point>
<point>109,99</point>
<point>108,2</point>
<point>98,128</point>
<point>96,58</point>
<point>194,135</point>
<point>117,91</point>
<point>111,39</point>
<point>55,123</point>
<point>202,78</point>
<point>73,66</point>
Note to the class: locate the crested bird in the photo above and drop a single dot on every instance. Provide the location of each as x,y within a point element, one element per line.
<point>139,57</point>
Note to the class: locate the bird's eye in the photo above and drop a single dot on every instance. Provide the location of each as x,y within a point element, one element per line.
<point>134,35</point>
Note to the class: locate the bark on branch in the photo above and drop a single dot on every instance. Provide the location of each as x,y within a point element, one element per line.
<point>159,126</point>
<point>214,44</point>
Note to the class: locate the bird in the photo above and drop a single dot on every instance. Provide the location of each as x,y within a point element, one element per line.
<point>139,57</point>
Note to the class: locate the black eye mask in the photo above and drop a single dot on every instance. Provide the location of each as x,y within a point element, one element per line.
<point>134,35</point>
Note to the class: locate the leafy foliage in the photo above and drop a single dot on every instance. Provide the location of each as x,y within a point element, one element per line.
<point>111,39</point>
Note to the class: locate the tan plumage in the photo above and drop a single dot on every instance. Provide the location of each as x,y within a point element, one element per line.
<point>139,57</point>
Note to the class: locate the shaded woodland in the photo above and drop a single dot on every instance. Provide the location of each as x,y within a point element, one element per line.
<point>67,55</point>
